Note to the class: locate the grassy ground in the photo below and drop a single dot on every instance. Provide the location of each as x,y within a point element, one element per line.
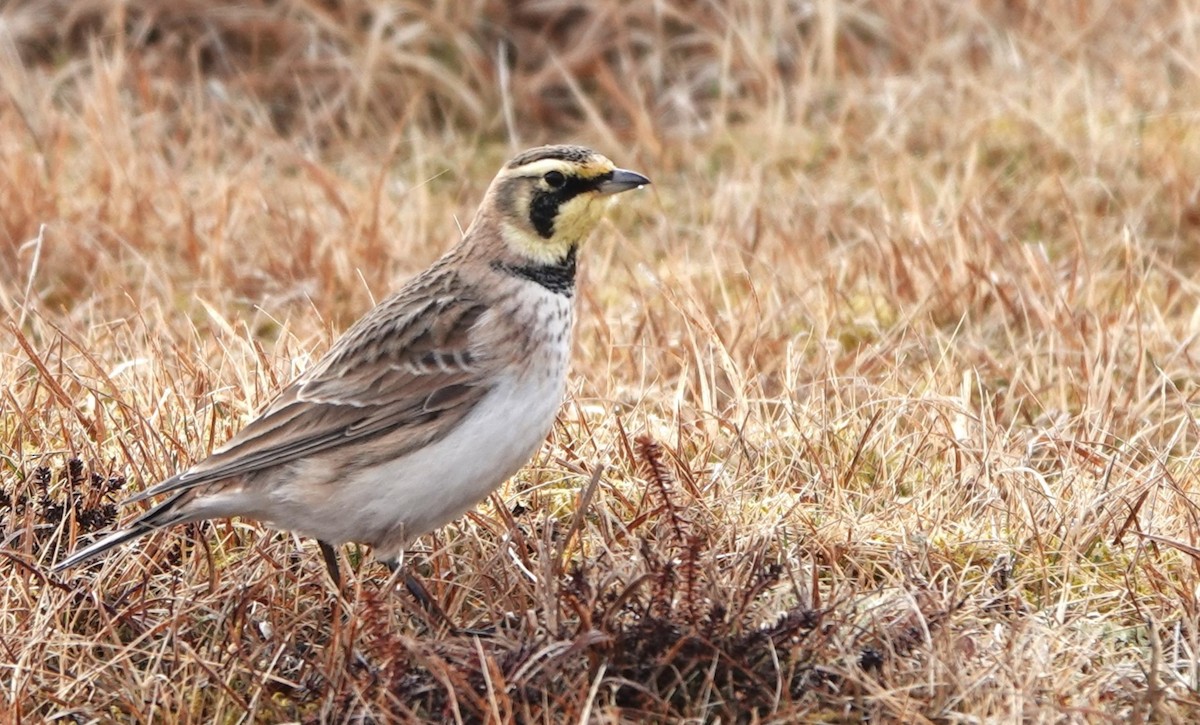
<point>882,403</point>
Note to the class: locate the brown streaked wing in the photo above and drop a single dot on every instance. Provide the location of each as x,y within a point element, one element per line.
<point>420,373</point>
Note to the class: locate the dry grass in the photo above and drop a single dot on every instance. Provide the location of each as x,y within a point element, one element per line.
<point>883,397</point>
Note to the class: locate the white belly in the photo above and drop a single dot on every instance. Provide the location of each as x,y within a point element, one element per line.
<point>389,504</point>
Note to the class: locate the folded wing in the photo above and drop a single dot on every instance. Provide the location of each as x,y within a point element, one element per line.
<point>410,369</point>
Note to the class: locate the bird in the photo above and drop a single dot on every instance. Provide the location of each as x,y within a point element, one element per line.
<point>431,400</point>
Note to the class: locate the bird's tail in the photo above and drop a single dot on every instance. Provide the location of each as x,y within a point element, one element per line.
<point>164,514</point>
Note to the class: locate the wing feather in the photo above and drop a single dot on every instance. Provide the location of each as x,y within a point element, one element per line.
<point>412,368</point>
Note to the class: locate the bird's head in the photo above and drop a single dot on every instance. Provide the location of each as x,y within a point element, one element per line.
<point>547,199</point>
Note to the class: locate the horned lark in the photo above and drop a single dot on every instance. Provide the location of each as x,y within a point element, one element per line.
<point>434,398</point>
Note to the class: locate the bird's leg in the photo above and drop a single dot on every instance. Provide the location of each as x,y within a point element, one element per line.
<point>417,589</point>
<point>329,554</point>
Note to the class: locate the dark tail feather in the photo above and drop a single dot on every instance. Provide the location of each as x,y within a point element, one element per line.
<point>156,518</point>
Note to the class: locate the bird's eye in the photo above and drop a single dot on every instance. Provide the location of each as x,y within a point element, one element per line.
<point>555,179</point>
